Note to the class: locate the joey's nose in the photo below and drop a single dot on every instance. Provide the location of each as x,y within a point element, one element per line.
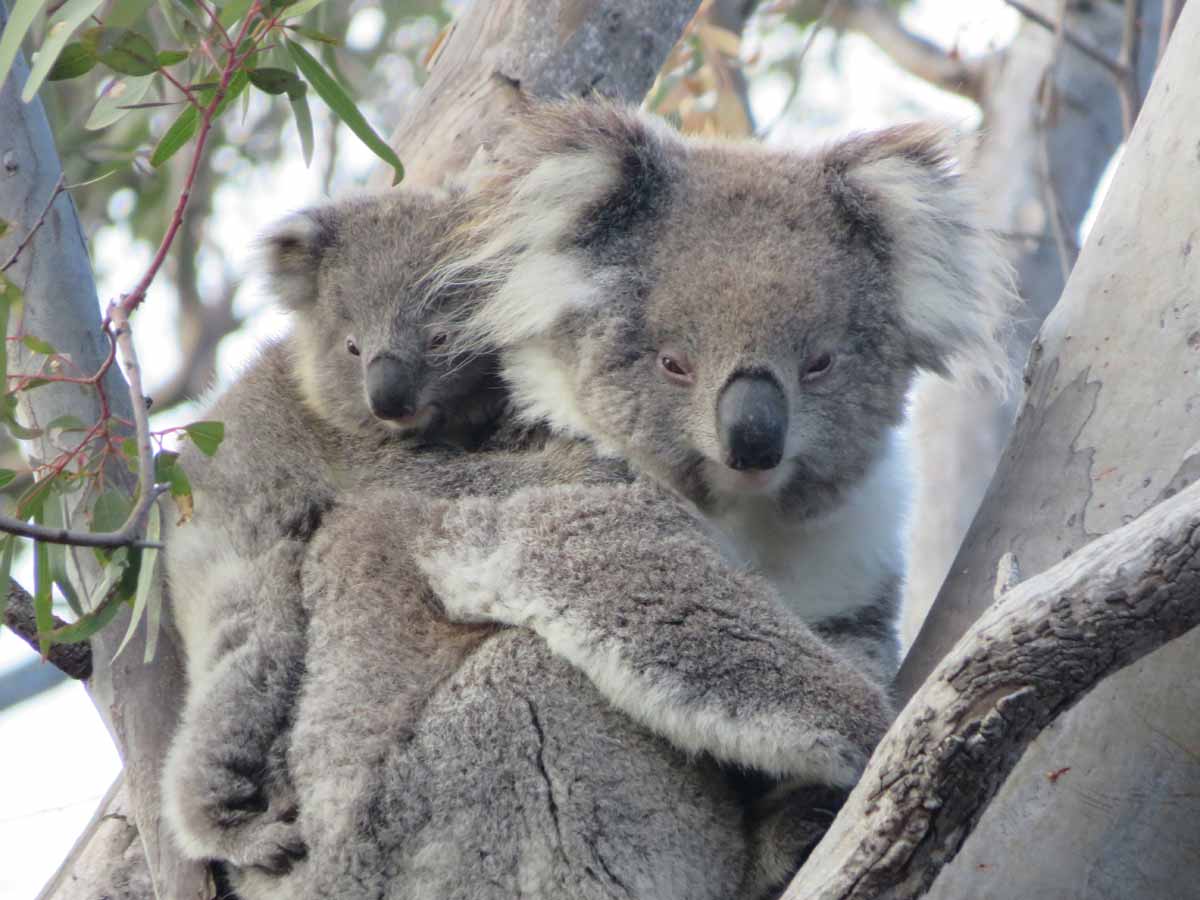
<point>752,415</point>
<point>391,388</point>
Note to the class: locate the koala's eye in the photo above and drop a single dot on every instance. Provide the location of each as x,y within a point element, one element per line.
<point>816,366</point>
<point>676,367</point>
<point>438,340</point>
<point>352,347</point>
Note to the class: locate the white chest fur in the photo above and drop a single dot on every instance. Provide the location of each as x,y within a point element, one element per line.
<point>838,562</point>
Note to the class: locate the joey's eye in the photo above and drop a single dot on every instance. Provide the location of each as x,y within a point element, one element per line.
<point>676,367</point>
<point>816,366</point>
<point>352,347</point>
<point>438,340</point>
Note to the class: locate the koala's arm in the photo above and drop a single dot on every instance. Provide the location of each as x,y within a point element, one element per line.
<point>626,584</point>
<point>233,574</point>
<point>867,637</point>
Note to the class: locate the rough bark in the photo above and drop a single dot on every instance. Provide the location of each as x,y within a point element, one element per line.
<point>1108,429</point>
<point>1030,657</point>
<point>960,429</point>
<point>137,701</point>
<point>503,50</point>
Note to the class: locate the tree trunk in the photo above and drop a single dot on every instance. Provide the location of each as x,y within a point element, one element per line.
<point>1030,656</point>
<point>1109,428</point>
<point>961,430</point>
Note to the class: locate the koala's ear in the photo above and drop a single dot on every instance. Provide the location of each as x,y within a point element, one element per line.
<point>292,251</point>
<point>572,177</point>
<point>955,289</point>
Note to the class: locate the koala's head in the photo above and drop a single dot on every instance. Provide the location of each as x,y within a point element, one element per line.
<point>734,319</point>
<point>368,344</point>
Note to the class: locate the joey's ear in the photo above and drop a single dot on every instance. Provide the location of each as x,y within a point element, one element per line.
<point>572,178</point>
<point>955,289</point>
<point>292,251</point>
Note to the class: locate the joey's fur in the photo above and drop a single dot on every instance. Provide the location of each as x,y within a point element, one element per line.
<point>355,718</point>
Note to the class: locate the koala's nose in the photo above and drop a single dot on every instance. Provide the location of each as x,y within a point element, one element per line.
<point>391,388</point>
<point>752,416</point>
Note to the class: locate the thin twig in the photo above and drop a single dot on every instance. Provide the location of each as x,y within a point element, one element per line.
<point>1047,103</point>
<point>74,660</point>
<point>1170,13</point>
<point>1088,49</point>
<point>59,187</point>
<point>1127,86</point>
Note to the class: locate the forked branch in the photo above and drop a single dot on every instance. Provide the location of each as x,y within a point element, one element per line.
<point>1028,659</point>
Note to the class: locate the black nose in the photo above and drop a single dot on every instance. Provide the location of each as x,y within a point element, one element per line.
<point>391,388</point>
<point>752,416</point>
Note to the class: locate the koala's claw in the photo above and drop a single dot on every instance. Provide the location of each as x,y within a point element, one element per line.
<point>274,847</point>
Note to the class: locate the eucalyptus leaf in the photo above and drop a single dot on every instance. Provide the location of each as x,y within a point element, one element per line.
<point>69,17</point>
<point>122,50</point>
<point>73,62</point>
<point>124,92</point>
<point>42,596</point>
<point>19,21</point>
<point>304,123</point>
<point>147,596</point>
<point>343,107</point>
<point>207,436</point>
<point>182,129</point>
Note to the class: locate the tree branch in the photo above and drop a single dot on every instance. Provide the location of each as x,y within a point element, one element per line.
<point>1028,659</point>
<point>911,52</point>
<point>74,660</point>
<point>1088,49</point>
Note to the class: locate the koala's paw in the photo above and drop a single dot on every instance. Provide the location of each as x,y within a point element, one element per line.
<point>219,811</point>
<point>785,747</point>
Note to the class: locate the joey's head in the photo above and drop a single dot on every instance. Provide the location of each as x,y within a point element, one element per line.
<point>736,320</point>
<point>368,345</point>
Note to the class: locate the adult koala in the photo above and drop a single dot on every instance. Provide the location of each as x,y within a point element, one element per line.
<point>758,374</point>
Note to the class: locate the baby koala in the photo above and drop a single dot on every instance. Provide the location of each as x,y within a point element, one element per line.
<point>354,385</point>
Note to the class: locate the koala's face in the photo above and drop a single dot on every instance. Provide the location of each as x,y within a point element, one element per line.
<point>734,319</point>
<point>368,348</point>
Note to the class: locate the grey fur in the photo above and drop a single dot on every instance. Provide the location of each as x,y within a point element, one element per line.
<point>371,737</point>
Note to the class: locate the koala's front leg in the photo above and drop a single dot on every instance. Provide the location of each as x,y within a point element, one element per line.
<point>227,793</point>
<point>627,585</point>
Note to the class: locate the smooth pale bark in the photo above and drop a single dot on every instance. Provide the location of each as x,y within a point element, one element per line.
<point>1109,428</point>
<point>1034,653</point>
<point>137,701</point>
<point>961,430</point>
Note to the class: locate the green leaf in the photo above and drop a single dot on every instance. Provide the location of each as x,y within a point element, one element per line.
<point>298,100</point>
<point>37,345</point>
<point>126,12</point>
<point>56,517</point>
<point>7,476</point>
<point>121,94</point>
<point>102,606</point>
<point>146,595</point>
<point>313,35</point>
<point>300,8</point>
<point>233,10</point>
<point>4,226</point>
<point>10,300</point>
<point>143,561</point>
<point>19,20</point>
<point>274,81</point>
<point>181,493</point>
<point>171,57</point>
<point>42,596</point>
<point>71,63</point>
<point>111,510</point>
<point>207,436</point>
<point>69,17</point>
<point>30,503</point>
<point>122,50</point>
<point>184,127</point>
<point>343,107</point>
<point>7,544</point>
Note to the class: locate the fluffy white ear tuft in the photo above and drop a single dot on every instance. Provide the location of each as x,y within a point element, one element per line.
<point>956,290</point>
<point>291,252</point>
<point>523,250</point>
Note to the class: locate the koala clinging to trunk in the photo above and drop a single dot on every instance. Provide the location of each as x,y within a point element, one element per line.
<point>740,323</point>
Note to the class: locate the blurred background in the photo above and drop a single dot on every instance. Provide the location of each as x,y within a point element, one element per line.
<point>795,73</point>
